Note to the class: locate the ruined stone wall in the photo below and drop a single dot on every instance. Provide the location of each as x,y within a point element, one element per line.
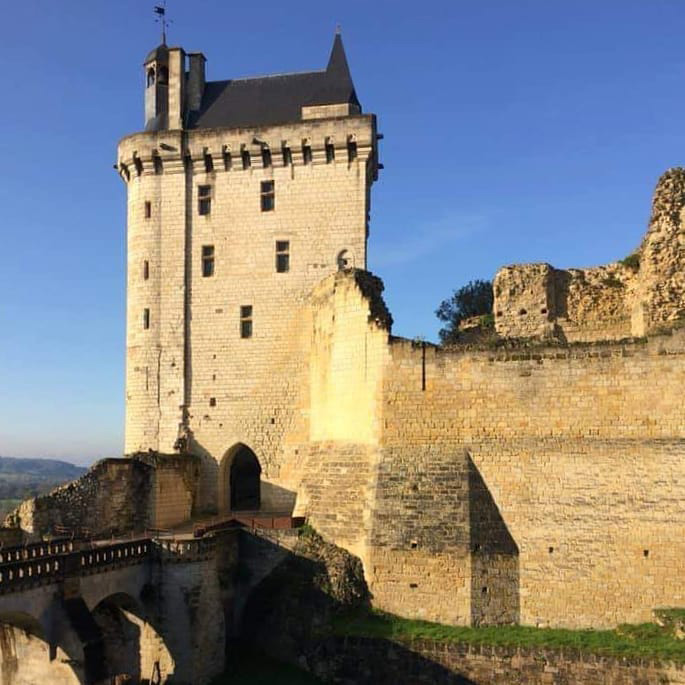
<point>618,300</point>
<point>570,489</point>
<point>115,496</point>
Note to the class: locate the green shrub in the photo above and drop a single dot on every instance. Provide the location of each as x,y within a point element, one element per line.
<point>632,261</point>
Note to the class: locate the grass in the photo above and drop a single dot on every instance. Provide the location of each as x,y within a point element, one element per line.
<point>255,668</point>
<point>644,641</point>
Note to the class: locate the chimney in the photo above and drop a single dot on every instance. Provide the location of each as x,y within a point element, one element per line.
<point>196,81</point>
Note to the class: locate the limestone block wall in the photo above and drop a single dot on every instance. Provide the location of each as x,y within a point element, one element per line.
<point>575,469</point>
<point>609,302</point>
<point>191,374</point>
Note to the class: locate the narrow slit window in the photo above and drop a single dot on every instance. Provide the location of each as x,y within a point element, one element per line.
<point>330,152</point>
<point>351,150</point>
<point>268,196</point>
<point>204,200</point>
<point>266,157</point>
<point>146,318</point>
<point>209,162</point>
<point>247,162</point>
<point>282,256</point>
<point>146,270</point>
<point>246,321</point>
<point>157,164</point>
<point>148,209</point>
<point>207,260</point>
<point>306,154</point>
<point>287,156</point>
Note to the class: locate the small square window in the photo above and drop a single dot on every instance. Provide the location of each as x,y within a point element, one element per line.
<point>306,154</point>
<point>246,321</point>
<point>212,401</point>
<point>207,260</point>
<point>204,199</point>
<point>148,209</point>
<point>146,270</point>
<point>282,256</point>
<point>146,319</point>
<point>268,196</point>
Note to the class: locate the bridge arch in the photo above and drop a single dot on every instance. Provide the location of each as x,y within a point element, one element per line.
<point>26,656</point>
<point>131,644</point>
<point>240,480</point>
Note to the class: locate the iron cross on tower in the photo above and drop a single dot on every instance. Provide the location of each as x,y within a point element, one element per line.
<point>160,11</point>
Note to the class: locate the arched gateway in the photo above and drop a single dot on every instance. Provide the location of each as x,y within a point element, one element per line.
<point>240,482</point>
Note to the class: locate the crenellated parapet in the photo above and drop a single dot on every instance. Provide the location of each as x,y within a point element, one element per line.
<point>349,140</point>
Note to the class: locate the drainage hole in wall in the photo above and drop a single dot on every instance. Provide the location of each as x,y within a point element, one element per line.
<point>414,544</point>
<point>484,590</point>
<point>413,585</point>
<point>646,553</point>
<point>551,549</point>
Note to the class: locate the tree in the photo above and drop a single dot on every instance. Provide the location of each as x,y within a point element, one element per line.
<point>473,299</point>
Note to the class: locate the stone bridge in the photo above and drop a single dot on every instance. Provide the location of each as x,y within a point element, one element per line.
<point>73,612</point>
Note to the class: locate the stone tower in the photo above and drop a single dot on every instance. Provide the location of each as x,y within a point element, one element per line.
<point>242,195</point>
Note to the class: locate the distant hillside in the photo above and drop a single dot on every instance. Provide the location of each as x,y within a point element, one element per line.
<point>22,478</point>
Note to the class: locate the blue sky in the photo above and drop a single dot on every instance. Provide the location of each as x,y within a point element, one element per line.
<point>529,130</point>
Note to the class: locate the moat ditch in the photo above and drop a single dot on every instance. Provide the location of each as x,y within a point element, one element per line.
<point>312,616</point>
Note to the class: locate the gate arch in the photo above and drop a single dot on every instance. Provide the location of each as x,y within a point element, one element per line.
<point>132,645</point>
<point>240,480</point>
<point>25,654</point>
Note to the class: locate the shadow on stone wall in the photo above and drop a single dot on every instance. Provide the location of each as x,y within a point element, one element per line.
<point>495,582</point>
<point>375,661</point>
<point>290,612</point>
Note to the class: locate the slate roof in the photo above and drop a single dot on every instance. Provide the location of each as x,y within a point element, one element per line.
<point>274,99</point>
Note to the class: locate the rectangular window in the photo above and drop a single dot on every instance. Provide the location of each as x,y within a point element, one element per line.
<point>246,321</point>
<point>247,162</point>
<point>148,209</point>
<point>157,163</point>
<point>146,319</point>
<point>266,157</point>
<point>307,154</point>
<point>146,270</point>
<point>282,256</point>
<point>209,162</point>
<point>351,150</point>
<point>287,155</point>
<point>207,260</point>
<point>268,195</point>
<point>330,152</point>
<point>204,199</point>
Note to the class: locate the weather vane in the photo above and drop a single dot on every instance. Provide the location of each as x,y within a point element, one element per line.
<point>160,11</point>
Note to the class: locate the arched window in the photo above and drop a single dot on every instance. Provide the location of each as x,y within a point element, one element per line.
<point>343,260</point>
<point>163,76</point>
<point>150,77</point>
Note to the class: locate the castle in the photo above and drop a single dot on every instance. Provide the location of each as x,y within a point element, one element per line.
<point>536,479</point>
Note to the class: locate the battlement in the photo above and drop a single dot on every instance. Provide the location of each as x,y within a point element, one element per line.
<point>322,141</point>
